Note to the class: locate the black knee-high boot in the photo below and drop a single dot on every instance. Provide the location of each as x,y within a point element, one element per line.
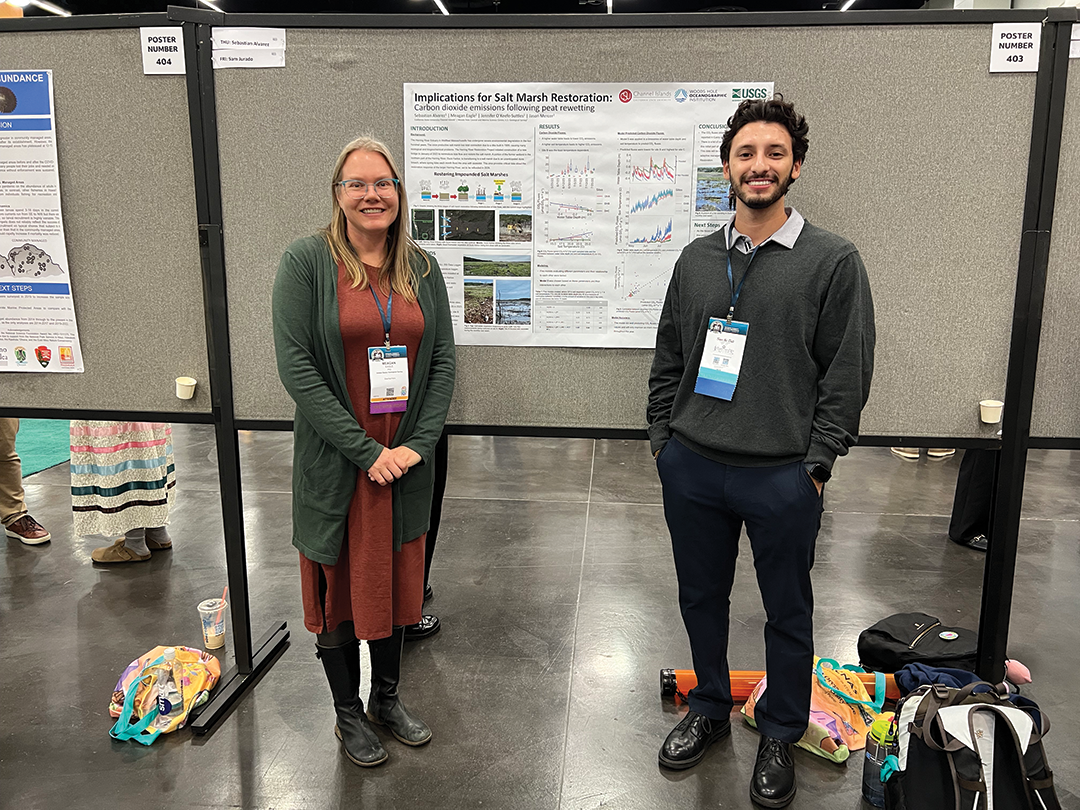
<point>384,704</point>
<point>342,666</point>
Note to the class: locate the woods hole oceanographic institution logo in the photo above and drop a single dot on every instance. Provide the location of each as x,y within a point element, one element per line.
<point>680,95</point>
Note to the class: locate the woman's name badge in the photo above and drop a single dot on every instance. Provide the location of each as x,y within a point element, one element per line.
<point>722,358</point>
<point>388,369</point>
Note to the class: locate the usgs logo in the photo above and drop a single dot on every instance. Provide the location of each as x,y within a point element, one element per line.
<point>743,93</point>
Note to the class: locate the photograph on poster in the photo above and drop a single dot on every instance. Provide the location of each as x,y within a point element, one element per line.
<point>713,191</point>
<point>466,226</point>
<point>423,224</point>
<point>513,301</point>
<point>478,300</point>
<point>498,264</point>
<point>515,227</point>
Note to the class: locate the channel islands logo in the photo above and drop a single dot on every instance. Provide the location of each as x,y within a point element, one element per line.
<point>744,93</point>
<point>625,96</point>
<point>20,355</point>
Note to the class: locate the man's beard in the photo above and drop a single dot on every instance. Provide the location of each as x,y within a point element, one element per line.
<point>779,190</point>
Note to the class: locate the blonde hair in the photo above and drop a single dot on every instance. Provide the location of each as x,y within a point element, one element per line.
<point>400,248</point>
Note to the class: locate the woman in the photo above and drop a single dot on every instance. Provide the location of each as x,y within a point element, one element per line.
<point>123,481</point>
<point>365,347</point>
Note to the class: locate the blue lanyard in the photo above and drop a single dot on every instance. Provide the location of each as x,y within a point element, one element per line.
<point>731,280</point>
<point>390,302</point>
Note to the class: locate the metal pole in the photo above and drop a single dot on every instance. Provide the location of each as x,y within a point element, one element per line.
<point>1000,565</point>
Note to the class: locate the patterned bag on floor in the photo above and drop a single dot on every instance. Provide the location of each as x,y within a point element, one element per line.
<point>135,698</point>
<point>841,710</point>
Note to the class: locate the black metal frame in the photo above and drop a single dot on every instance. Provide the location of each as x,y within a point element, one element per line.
<point>1000,567</point>
<point>773,19</point>
<point>202,108</point>
<point>254,660</point>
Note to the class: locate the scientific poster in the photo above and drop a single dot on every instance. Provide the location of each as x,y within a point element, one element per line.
<point>37,315</point>
<point>557,211</point>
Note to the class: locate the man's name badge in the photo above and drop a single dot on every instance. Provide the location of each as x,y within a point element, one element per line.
<point>388,368</point>
<point>721,358</point>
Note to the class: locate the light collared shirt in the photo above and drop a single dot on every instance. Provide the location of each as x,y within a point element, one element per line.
<point>785,235</point>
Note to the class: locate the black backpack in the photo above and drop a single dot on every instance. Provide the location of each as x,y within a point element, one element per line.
<point>959,749</point>
<point>910,638</point>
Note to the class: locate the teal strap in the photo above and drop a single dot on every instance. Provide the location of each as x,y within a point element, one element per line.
<point>139,731</point>
<point>890,766</point>
<point>873,704</point>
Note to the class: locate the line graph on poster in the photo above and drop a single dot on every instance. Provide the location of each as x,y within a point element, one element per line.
<point>646,231</point>
<point>568,233</point>
<point>653,168</point>
<point>572,204</point>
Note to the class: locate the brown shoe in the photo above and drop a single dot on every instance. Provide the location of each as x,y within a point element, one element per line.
<point>117,553</point>
<point>29,531</point>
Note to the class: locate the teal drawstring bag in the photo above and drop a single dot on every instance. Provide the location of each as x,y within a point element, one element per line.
<point>142,729</point>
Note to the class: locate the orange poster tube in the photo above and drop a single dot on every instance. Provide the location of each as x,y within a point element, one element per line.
<point>677,682</point>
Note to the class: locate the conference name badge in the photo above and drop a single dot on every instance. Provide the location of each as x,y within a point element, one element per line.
<point>722,358</point>
<point>388,369</point>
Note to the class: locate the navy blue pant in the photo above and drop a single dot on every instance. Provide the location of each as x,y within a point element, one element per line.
<point>706,504</point>
<point>974,498</point>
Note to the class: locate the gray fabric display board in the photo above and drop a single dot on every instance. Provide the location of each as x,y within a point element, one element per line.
<point>917,154</point>
<point>128,197</point>
<point>1056,407</point>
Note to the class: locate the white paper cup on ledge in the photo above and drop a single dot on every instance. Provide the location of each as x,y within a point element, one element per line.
<point>990,410</point>
<point>185,387</point>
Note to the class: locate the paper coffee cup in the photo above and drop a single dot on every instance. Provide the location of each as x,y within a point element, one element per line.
<point>185,387</point>
<point>990,411</point>
<point>212,613</point>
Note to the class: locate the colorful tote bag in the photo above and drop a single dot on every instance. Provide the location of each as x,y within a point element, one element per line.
<point>135,698</point>
<point>841,710</point>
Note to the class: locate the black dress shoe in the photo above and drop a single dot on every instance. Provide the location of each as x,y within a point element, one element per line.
<point>428,593</point>
<point>427,626</point>
<point>979,542</point>
<point>773,783</point>
<point>688,741</point>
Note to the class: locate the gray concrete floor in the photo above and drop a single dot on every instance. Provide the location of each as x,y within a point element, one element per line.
<point>554,581</point>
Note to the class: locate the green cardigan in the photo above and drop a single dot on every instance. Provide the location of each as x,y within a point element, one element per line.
<point>329,446</point>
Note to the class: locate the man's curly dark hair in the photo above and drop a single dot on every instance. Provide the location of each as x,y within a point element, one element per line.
<point>776,111</point>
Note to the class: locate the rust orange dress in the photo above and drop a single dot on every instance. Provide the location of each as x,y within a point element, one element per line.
<point>371,585</point>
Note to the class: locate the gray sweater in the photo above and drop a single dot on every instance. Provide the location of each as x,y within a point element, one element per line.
<point>809,352</point>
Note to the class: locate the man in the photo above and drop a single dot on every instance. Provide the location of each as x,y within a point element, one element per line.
<point>16,521</point>
<point>745,425</point>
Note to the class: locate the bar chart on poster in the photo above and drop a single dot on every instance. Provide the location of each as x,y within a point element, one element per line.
<point>560,210</point>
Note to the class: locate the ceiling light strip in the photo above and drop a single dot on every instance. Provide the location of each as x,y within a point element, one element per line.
<point>442,8</point>
<point>212,5</point>
<point>52,8</point>
<point>847,5</point>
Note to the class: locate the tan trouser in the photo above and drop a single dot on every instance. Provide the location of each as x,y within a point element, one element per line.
<point>12,496</point>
